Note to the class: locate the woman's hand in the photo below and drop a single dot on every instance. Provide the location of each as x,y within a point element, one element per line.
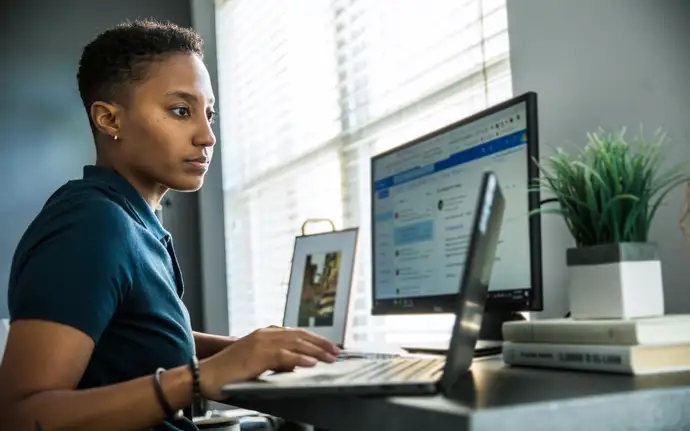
<point>266,349</point>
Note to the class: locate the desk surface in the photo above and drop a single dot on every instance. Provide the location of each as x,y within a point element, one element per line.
<point>494,396</point>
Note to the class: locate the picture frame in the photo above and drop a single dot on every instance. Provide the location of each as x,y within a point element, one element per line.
<point>320,282</point>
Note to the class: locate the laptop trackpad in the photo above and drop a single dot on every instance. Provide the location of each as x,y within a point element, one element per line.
<point>319,371</point>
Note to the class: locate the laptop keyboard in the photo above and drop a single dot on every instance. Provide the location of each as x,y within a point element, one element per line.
<point>398,369</point>
<point>348,354</point>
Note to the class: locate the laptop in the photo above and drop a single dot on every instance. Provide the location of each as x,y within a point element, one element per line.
<point>319,289</point>
<point>407,375</point>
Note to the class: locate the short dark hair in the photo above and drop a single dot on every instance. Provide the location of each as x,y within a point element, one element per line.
<point>120,56</point>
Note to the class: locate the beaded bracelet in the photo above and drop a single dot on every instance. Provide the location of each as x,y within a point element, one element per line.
<point>196,389</point>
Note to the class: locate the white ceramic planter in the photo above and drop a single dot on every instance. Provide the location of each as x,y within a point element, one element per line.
<point>616,281</point>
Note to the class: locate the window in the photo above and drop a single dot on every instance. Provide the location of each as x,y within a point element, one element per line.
<point>309,91</point>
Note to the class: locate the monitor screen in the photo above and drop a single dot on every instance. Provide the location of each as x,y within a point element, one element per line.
<point>423,201</point>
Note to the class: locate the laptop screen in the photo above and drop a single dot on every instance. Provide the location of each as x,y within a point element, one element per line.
<point>320,283</point>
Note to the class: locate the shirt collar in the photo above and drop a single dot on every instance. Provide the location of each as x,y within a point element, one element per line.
<point>136,201</point>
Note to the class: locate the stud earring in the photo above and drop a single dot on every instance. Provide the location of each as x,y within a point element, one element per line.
<point>115,137</point>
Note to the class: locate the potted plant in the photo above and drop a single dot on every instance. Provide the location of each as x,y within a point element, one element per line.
<point>608,194</point>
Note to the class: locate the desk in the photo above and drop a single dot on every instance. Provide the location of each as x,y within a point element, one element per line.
<point>496,397</point>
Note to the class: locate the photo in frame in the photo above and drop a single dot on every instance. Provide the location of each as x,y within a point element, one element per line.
<point>320,282</point>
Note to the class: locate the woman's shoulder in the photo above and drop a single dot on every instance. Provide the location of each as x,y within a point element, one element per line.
<point>86,196</point>
<point>79,212</point>
<point>79,231</point>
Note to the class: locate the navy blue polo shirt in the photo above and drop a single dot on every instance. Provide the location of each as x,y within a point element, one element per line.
<point>96,258</point>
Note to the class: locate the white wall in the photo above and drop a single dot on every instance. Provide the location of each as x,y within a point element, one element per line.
<point>607,63</point>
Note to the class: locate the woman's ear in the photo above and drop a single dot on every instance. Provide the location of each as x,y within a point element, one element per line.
<point>106,118</point>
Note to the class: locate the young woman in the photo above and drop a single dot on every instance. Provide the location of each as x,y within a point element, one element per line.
<point>100,339</point>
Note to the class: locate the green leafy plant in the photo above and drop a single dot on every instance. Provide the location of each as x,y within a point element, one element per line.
<point>686,215</point>
<point>609,191</point>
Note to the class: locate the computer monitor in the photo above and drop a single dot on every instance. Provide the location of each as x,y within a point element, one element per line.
<point>423,199</point>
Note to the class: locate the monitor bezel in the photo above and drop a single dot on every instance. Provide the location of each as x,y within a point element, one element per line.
<point>496,301</point>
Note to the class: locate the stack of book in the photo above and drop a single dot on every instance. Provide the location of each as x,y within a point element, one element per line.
<point>636,346</point>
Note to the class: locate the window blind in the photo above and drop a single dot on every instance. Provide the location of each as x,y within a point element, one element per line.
<point>309,91</point>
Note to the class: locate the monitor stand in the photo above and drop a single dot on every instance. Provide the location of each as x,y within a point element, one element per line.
<point>490,335</point>
<point>492,324</point>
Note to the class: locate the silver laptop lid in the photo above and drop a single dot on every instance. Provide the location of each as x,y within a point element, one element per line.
<point>474,283</point>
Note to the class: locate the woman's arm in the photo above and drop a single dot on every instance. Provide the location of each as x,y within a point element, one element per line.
<point>44,362</point>
<point>42,366</point>
<point>209,344</point>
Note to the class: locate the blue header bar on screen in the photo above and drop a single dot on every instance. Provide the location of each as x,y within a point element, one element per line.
<point>465,156</point>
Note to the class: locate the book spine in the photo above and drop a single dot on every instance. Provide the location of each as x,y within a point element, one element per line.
<point>615,359</point>
<point>571,334</point>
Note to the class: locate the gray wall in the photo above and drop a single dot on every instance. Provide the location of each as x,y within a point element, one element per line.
<point>607,63</point>
<point>44,134</point>
<point>214,290</point>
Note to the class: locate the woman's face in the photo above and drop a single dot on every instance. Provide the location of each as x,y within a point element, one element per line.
<point>165,133</point>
